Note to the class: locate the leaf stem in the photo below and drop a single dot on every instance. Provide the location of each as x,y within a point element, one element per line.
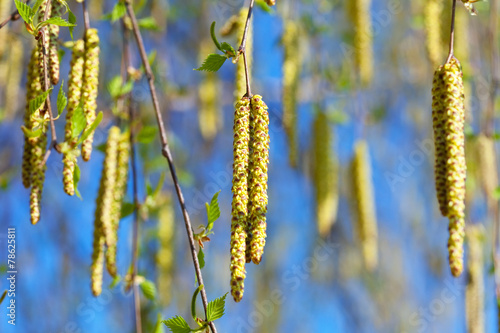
<point>242,48</point>
<point>452,32</point>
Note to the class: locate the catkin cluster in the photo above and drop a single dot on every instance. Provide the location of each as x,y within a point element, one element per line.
<point>474,292</point>
<point>240,88</point>
<point>108,206</point>
<point>324,174</point>
<point>363,40</point>
<point>249,205</point>
<point>366,225</point>
<point>90,85</point>
<point>448,117</point>
<point>56,10</point>
<point>432,18</point>
<point>292,65</point>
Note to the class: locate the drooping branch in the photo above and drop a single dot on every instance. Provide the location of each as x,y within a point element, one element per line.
<point>167,154</point>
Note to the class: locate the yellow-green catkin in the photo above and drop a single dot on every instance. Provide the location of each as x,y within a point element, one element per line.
<point>240,84</point>
<point>230,26</point>
<point>209,118</point>
<point>448,102</point>
<point>33,88</point>
<point>165,254</point>
<point>15,73</point>
<point>119,190</point>
<point>90,85</point>
<point>56,11</point>
<point>366,225</point>
<point>324,174</point>
<point>486,159</point>
<point>292,65</point>
<point>259,160</point>
<point>43,42</point>
<point>474,292</point>
<point>432,19</point>
<point>103,224</point>
<point>38,173</point>
<point>74,96</point>
<point>239,204</point>
<point>363,40</point>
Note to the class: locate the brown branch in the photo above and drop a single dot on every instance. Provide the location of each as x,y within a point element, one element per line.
<point>452,32</point>
<point>86,19</point>
<point>13,17</point>
<point>242,48</point>
<point>167,154</point>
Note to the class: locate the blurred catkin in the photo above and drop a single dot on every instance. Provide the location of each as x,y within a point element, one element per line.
<point>363,40</point>
<point>259,160</point>
<point>209,118</point>
<point>432,18</point>
<point>271,2</point>
<point>474,292</point>
<point>119,190</point>
<point>74,97</point>
<point>90,85</point>
<point>240,84</point>
<point>15,73</point>
<point>239,205</point>
<point>292,65</point>
<point>366,225</point>
<point>165,254</point>
<point>324,174</point>
<point>56,10</point>
<point>487,165</point>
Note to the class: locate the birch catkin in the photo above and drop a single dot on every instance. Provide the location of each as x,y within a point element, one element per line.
<point>209,119</point>
<point>291,72</point>
<point>259,159</point>
<point>324,175</point>
<point>239,213</point>
<point>432,18</point>
<point>365,205</point>
<point>90,85</point>
<point>74,97</point>
<point>474,292</point>
<point>363,40</point>
<point>240,85</point>
<point>486,159</point>
<point>165,254</point>
<point>15,64</point>
<point>56,11</point>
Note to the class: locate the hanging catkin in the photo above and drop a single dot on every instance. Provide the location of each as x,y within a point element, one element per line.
<point>15,73</point>
<point>240,85</point>
<point>239,205</point>
<point>363,40</point>
<point>74,97</point>
<point>486,159</point>
<point>90,85</point>
<point>366,225</point>
<point>103,226</point>
<point>324,174</point>
<point>259,159</point>
<point>474,292</point>
<point>209,119</point>
<point>118,195</point>
<point>165,254</point>
<point>56,11</point>
<point>291,72</point>
<point>432,18</point>
<point>449,118</point>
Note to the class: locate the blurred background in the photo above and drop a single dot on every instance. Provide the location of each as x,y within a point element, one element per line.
<point>313,277</point>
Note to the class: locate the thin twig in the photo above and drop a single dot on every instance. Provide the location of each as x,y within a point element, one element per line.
<point>86,19</point>
<point>167,154</point>
<point>12,17</point>
<point>242,48</point>
<point>133,163</point>
<point>452,32</point>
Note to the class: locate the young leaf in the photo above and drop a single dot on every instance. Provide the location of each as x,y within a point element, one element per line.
<point>31,134</point>
<point>25,11</point>
<point>212,63</point>
<point>193,302</point>
<point>496,193</point>
<point>148,289</point>
<point>56,20</point>
<point>72,20</point>
<point>115,281</point>
<point>228,49</point>
<point>62,100</point>
<point>201,258</point>
<point>148,23</point>
<point>215,308</point>
<point>38,101</point>
<point>147,134</point>
<point>177,324</point>
<point>127,209</point>
<point>213,211</point>
<point>78,120</point>
<point>214,38</point>
<point>91,128</point>
<point>37,5</point>
<point>76,180</point>
<point>158,326</point>
<point>117,13</point>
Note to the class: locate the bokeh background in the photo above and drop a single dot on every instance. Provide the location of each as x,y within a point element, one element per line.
<point>321,281</point>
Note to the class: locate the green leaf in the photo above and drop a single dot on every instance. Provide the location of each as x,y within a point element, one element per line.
<point>72,20</point>
<point>215,308</point>
<point>193,302</point>
<point>264,6</point>
<point>3,296</point>
<point>177,324</point>
<point>212,63</point>
<point>115,281</point>
<point>496,193</point>
<point>36,6</point>
<point>159,328</point>
<point>148,289</point>
<point>31,134</point>
<point>117,13</point>
<point>62,100</point>
<point>78,120</point>
<point>56,20</point>
<point>91,128</point>
<point>127,209</point>
<point>214,38</point>
<point>148,23</point>
<point>38,101</point>
<point>201,258</point>
<point>147,134</point>
<point>228,49</point>
<point>213,211</point>
<point>25,11</point>
<point>76,180</point>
